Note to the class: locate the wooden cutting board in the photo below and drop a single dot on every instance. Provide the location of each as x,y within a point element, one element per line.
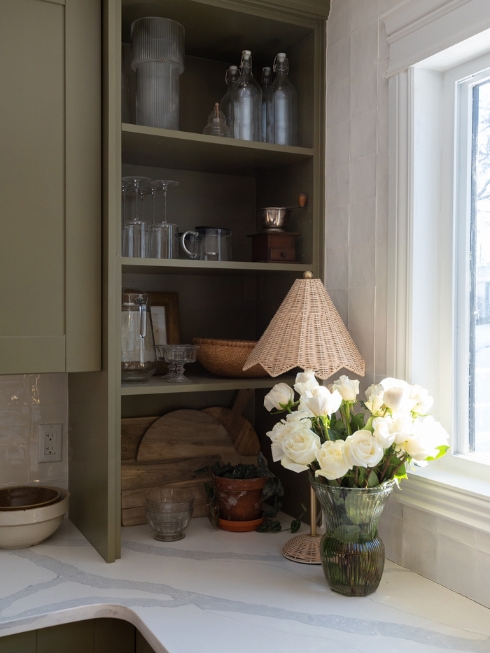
<point>166,452</point>
<point>242,433</point>
<point>186,434</point>
<point>143,475</point>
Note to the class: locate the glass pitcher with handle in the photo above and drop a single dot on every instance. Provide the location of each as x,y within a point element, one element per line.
<point>138,356</point>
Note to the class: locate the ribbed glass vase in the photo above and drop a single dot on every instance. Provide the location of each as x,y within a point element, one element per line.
<point>353,556</point>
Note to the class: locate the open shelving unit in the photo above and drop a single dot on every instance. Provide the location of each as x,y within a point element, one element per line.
<point>222,182</point>
<point>200,382</point>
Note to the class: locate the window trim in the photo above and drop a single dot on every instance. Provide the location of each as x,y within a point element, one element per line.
<point>455,474</point>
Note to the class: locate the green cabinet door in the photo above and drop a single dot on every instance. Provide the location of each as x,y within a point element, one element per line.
<point>50,118</point>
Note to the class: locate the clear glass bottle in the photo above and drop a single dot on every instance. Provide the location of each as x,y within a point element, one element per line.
<point>281,105</point>
<point>226,103</point>
<point>247,102</point>
<point>265,82</point>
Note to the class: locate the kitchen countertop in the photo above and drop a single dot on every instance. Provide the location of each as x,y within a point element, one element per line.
<point>223,591</point>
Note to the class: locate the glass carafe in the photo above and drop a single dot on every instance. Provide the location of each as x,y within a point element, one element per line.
<point>281,105</point>
<point>247,102</point>
<point>138,357</point>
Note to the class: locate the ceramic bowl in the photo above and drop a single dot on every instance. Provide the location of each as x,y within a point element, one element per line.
<point>22,528</point>
<point>22,497</point>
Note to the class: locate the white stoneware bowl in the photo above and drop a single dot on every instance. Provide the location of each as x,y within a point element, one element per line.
<point>22,528</point>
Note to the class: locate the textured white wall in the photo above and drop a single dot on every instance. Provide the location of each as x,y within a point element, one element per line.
<point>26,401</point>
<point>357,175</point>
<point>453,555</point>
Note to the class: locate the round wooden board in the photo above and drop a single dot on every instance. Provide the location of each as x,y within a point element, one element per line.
<point>242,433</point>
<point>187,434</point>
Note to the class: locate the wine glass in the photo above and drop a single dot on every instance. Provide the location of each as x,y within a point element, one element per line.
<point>157,186</point>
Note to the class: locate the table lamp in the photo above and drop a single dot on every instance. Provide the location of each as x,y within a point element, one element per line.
<point>306,332</point>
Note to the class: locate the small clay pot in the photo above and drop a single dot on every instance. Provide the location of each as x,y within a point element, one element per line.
<point>239,499</point>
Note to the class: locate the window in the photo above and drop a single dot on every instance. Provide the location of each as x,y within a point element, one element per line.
<point>472,251</point>
<point>437,52</point>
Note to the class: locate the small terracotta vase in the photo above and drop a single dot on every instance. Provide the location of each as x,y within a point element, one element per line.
<point>239,499</point>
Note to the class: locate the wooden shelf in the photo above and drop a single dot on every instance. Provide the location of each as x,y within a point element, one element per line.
<point>203,382</point>
<point>182,266</point>
<point>166,148</point>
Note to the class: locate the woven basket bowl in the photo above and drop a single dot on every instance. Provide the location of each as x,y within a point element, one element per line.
<point>227,357</point>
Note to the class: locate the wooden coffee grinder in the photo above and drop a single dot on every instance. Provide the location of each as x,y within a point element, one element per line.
<point>274,244</point>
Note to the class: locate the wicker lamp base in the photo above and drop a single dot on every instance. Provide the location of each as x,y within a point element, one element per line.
<point>303,548</point>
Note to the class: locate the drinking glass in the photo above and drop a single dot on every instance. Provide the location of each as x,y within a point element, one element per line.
<point>136,196</point>
<point>169,512</point>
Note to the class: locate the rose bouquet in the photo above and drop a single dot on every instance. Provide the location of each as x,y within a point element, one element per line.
<point>351,443</point>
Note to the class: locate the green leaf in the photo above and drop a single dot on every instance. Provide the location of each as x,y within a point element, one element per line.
<point>373,480</point>
<point>443,449</point>
<point>402,473</point>
<point>334,434</point>
<point>295,525</point>
<point>269,526</point>
<point>357,422</point>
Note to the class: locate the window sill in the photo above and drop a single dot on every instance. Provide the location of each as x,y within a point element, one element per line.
<point>450,491</point>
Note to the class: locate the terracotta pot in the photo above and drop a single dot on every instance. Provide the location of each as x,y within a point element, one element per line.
<point>239,499</point>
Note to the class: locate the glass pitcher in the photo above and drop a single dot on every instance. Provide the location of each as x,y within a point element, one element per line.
<point>138,357</point>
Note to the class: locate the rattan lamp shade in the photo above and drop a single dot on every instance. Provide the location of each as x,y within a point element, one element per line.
<point>307,332</point>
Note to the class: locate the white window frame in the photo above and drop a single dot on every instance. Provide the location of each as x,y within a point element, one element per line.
<point>422,237</point>
<point>458,84</point>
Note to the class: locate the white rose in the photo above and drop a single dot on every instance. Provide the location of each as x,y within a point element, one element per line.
<point>320,401</point>
<point>332,461</point>
<point>299,417</point>
<point>423,401</point>
<point>374,397</point>
<point>305,381</point>
<point>427,435</point>
<point>300,449</point>
<point>361,449</point>
<point>281,431</point>
<point>382,432</point>
<point>388,430</point>
<point>349,389</point>
<point>280,395</point>
<point>397,395</point>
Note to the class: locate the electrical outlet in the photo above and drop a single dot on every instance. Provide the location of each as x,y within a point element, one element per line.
<point>49,437</point>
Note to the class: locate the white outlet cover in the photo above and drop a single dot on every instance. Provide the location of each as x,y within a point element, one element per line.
<point>49,441</point>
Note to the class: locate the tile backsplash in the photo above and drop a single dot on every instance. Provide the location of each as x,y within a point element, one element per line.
<point>449,553</point>
<point>27,400</point>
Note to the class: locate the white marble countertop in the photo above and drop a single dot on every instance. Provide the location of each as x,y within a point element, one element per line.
<point>218,591</point>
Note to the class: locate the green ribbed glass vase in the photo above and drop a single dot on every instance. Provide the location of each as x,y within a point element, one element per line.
<point>353,556</point>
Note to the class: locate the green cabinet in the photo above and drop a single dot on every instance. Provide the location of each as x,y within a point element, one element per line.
<point>50,185</point>
<point>89,636</point>
<point>222,183</point>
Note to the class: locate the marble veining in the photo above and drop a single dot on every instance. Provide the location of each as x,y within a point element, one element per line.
<point>194,592</point>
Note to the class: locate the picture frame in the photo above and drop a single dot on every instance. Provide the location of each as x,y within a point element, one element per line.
<point>164,308</point>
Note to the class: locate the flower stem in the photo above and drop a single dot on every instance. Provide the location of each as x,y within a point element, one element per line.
<point>385,468</point>
<point>347,419</point>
